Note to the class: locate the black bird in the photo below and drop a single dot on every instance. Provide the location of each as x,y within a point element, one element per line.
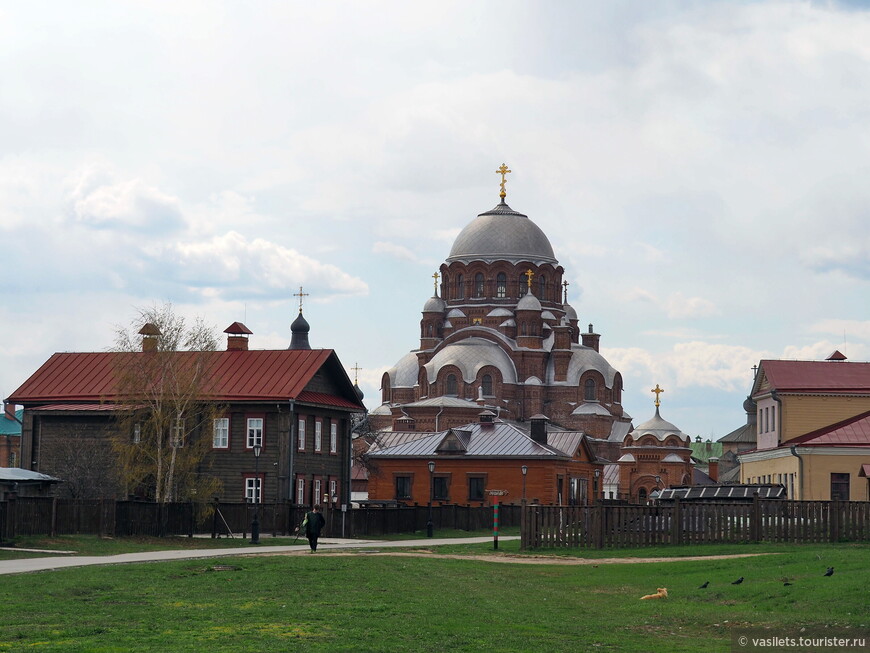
<point>704,586</point>
<point>738,581</point>
<point>786,583</point>
<point>830,571</point>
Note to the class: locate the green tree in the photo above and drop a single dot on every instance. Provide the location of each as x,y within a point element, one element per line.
<point>166,410</point>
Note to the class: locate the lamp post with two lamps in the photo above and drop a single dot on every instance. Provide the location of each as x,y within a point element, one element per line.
<point>429,527</point>
<point>255,523</point>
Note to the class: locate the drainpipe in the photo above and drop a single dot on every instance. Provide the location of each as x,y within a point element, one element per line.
<point>777,424</point>
<point>436,418</point>
<point>291,477</point>
<point>800,482</point>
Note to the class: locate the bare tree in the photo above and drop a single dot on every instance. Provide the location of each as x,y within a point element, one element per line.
<point>85,464</point>
<point>166,411</point>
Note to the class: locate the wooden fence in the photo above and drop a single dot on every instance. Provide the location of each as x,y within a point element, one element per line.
<point>608,526</point>
<point>53,516</point>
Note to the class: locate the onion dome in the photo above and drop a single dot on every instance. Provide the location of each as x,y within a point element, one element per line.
<point>299,329</point>
<point>434,305</point>
<point>529,302</point>
<point>570,313</point>
<point>502,234</point>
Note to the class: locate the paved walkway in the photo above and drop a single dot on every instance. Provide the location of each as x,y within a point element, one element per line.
<point>25,565</point>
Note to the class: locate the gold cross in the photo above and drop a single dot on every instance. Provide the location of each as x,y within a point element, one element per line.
<point>356,368</point>
<point>658,391</point>
<point>529,274</point>
<point>503,170</point>
<point>435,276</point>
<point>565,286</point>
<point>300,295</point>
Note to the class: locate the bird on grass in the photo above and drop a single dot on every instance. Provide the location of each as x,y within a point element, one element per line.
<point>704,586</point>
<point>738,581</point>
<point>786,583</point>
<point>830,572</point>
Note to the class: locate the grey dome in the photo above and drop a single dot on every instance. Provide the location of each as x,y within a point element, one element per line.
<point>570,313</point>
<point>582,359</point>
<point>658,427</point>
<point>502,234</point>
<point>404,373</point>
<point>529,302</point>
<point>470,355</point>
<point>434,305</point>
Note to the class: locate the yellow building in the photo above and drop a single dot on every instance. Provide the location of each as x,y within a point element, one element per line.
<point>813,424</point>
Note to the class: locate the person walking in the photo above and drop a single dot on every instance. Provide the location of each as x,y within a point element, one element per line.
<point>314,523</point>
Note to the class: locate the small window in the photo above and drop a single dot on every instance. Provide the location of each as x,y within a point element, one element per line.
<point>300,491</point>
<point>253,489</point>
<point>486,385</point>
<point>300,436</point>
<point>318,435</point>
<point>641,495</point>
<point>137,434</point>
<point>221,433</point>
<point>542,288</point>
<point>13,459</point>
<point>333,437</point>
<point>403,488</point>
<point>439,488</point>
<point>839,487</point>
<point>478,285</point>
<point>255,432</point>
<point>501,285</point>
<point>317,496</point>
<point>589,390</point>
<point>460,287</point>
<point>451,385</point>
<point>476,488</point>
<point>333,490</point>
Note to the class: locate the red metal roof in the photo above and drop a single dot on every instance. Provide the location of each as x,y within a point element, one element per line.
<point>852,432</point>
<point>817,376</point>
<point>308,397</point>
<point>239,375</point>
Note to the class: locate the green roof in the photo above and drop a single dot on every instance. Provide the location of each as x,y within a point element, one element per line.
<point>701,453</point>
<point>11,426</point>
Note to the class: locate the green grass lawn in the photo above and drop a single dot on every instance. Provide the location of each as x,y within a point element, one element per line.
<point>365,603</point>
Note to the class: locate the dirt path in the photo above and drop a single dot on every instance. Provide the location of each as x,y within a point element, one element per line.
<point>535,559</point>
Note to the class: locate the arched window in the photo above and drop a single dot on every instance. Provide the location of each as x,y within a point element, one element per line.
<point>451,385</point>
<point>542,287</point>
<point>617,391</point>
<point>478,285</point>
<point>445,287</point>
<point>430,331</point>
<point>524,328</point>
<point>486,385</point>
<point>641,495</point>
<point>589,390</point>
<point>460,288</point>
<point>501,285</point>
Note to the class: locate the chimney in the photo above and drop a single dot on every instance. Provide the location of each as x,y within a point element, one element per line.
<point>150,337</point>
<point>237,337</point>
<point>9,410</point>
<point>713,470</point>
<point>591,339</point>
<point>406,423</point>
<point>486,419</point>
<point>539,428</point>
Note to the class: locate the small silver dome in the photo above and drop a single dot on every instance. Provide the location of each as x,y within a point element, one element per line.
<point>570,313</point>
<point>502,234</point>
<point>529,302</point>
<point>434,305</point>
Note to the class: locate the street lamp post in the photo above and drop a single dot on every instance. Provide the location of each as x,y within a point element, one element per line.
<point>525,470</point>
<point>597,474</point>
<point>255,523</point>
<point>429,529</point>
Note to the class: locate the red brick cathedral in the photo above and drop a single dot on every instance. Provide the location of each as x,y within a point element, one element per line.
<point>499,333</point>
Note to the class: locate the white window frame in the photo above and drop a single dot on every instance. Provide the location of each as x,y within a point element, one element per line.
<point>318,435</point>
<point>300,435</point>
<point>333,489</point>
<point>300,491</point>
<point>333,437</point>
<point>255,433</point>
<point>137,433</point>
<point>317,486</point>
<point>254,489</point>
<point>220,438</point>
<point>178,433</point>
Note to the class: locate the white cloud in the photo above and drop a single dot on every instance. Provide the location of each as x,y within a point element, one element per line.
<point>232,266</point>
<point>681,307</point>
<point>396,251</point>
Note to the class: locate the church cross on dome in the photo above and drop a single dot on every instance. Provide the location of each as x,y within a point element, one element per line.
<point>503,170</point>
<point>658,391</point>
<point>529,274</point>
<point>565,285</point>
<point>436,276</point>
<point>356,368</point>
<point>300,295</point>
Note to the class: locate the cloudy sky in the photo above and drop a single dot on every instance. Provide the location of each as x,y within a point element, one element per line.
<point>701,168</point>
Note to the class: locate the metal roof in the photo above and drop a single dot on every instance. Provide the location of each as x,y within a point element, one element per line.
<point>11,426</point>
<point>852,432</point>
<point>815,376</point>
<point>723,492</point>
<point>499,440</point>
<point>238,375</point>
<point>746,433</point>
<point>18,475</point>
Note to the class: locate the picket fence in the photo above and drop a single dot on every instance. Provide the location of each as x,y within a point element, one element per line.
<point>615,526</point>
